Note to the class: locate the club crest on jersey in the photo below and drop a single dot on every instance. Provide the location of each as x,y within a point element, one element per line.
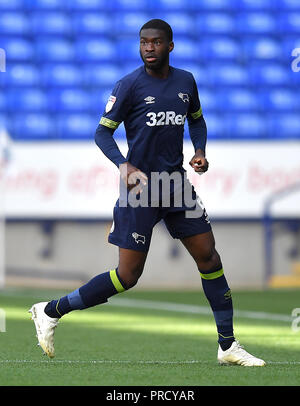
<point>149,99</point>
<point>139,238</point>
<point>184,97</point>
<point>109,105</point>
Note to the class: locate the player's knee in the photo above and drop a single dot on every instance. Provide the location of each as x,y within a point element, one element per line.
<point>130,276</point>
<point>131,280</point>
<point>209,259</point>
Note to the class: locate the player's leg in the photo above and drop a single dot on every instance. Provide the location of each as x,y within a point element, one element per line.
<point>202,249</point>
<point>101,287</point>
<point>131,232</point>
<point>215,286</point>
<point>131,266</point>
<point>98,290</point>
<point>197,236</point>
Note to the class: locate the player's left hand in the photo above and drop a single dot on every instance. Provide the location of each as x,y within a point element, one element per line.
<point>199,162</point>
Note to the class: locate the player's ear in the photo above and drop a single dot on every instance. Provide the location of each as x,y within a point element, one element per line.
<point>171,46</point>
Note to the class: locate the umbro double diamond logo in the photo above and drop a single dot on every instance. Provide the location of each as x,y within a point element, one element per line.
<point>149,99</point>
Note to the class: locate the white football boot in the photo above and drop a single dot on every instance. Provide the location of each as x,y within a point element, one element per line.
<point>236,355</point>
<point>45,326</point>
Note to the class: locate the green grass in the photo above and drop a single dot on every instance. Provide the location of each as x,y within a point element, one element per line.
<point>113,345</point>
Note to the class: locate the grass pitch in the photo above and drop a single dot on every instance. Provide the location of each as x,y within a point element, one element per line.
<point>143,338</point>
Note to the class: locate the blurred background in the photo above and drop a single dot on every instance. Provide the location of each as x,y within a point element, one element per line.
<point>59,61</point>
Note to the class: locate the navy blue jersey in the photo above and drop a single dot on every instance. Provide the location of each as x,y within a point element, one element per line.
<point>154,112</point>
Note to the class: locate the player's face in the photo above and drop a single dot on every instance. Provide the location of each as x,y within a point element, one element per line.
<point>154,48</point>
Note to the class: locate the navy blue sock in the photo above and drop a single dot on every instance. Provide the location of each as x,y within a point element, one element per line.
<point>218,294</point>
<point>95,292</point>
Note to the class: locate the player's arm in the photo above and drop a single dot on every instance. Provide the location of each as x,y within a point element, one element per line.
<point>117,107</point>
<point>116,110</point>
<point>198,132</point>
<point>106,142</point>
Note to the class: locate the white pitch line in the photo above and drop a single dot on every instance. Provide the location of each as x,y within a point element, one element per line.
<point>101,362</point>
<point>140,362</point>
<point>185,308</point>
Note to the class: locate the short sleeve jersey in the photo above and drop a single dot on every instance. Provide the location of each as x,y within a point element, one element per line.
<point>154,112</point>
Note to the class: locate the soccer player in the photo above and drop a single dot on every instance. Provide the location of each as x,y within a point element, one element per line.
<point>153,102</point>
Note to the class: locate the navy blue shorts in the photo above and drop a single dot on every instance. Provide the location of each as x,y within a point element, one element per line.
<point>132,226</point>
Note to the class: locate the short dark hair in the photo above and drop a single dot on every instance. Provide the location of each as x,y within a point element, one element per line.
<point>158,24</point>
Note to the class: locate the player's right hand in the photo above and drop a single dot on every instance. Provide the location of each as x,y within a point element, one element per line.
<point>133,177</point>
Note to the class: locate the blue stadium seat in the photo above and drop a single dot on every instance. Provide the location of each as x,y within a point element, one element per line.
<point>61,75</point>
<point>45,4</point>
<point>199,71</point>
<point>92,23</point>
<point>88,5</point>
<point>262,48</point>
<point>229,74</point>
<point>256,23</point>
<point>64,58</point>
<point>130,23</point>
<point>214,5</point>
<point>70,100</point>
<point>101,75</point>
<point>3,102</point>
<point>214,123</point>
<point>4,122</point>
<point>76,126</point>
<point>30,100</point>
<point>288,44</point>
<point>22,75</point>
<point>14,23</point>
<point>280,99</point>
<point>95,49</point>
<point>219,48</point>
<point>181,23</point>
<point>295,69</point>
<point>127,49</point>
<point>99,97</point>
<point>54,49</point>
<point>131,5</point>
<point>270,74</point>
<point>186,50</point>
<point>257,5</point>
<point>245,125</point>
<point>12,5</point>
<point>288,5</point>
<point>18,49</point>
<point>120,132</point>
<point>215,23</point>
<point>208,100</point>
<point>51,23</point>
<point>237,100</point>
<point>33,126</point>
<point>172,5</point>
<point>284,125</point>
<point>290,23</point>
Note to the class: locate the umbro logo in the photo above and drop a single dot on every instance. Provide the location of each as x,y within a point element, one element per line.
<point>149,100</point>
<point>184,97</point>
